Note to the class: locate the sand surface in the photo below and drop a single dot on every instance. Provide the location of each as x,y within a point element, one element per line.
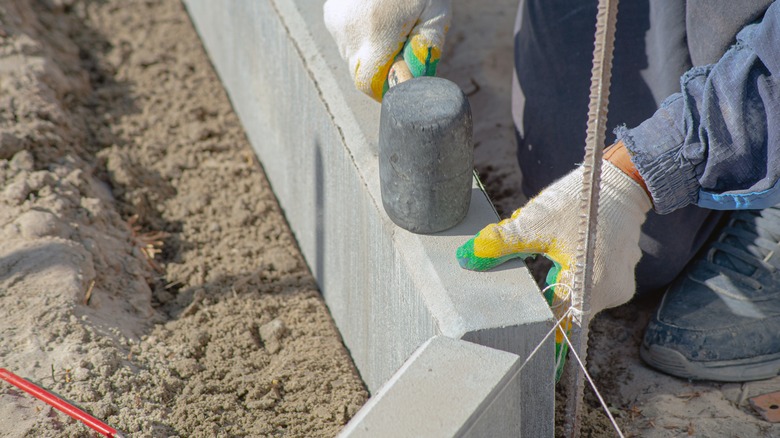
<point>146,270</point>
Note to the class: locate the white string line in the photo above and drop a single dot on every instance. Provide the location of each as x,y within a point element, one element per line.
<point>571,311</point>
<point>555,326</point>
<point>557,303</point>
<point>539,346</point>
<point>593,385</point>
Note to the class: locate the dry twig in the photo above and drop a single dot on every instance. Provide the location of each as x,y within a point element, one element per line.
<point>88,295</point>
<point>634,413</point>
<point>149,243</point>
<point>688,396</point>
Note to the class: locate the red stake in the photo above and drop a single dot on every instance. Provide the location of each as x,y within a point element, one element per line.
<point>58,403</point>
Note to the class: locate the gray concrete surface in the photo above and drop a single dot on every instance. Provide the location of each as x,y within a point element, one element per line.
<point>463,388</point>
<point>388,290</point>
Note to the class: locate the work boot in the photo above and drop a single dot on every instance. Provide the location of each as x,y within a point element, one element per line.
<point>720,320</point>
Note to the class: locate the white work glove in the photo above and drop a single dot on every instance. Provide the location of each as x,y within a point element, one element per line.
<point>548,225</point>
<point>371,33</point>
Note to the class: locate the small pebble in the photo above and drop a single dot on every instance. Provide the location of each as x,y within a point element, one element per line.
<point>37,223</point>
<point>17,191</point>
<point>23,160</point>
<point>272,333</point>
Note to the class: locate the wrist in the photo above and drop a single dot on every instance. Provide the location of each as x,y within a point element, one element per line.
<point>618,155</point>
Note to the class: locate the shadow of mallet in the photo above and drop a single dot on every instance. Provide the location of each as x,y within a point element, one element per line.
<point>426,157</point>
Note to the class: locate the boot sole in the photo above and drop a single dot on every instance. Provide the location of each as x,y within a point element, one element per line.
<point>743,370</point>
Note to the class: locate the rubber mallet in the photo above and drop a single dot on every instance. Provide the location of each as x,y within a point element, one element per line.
<point>426,157</point>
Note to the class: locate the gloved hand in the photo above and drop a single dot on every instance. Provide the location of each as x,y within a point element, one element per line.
<point>371,33</point>
<point>548,225</point>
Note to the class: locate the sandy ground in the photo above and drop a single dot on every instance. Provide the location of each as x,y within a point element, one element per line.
<point>645,402</point>
<point>148,275</point>
<point>146,271</point>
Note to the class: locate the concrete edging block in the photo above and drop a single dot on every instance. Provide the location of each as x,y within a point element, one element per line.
<point>447,387</point>
<point>389,290</point>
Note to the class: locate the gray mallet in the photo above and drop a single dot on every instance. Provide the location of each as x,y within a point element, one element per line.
<point>426,157</point>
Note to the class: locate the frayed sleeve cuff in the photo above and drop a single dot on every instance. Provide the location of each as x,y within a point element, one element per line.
<point>656,149</point>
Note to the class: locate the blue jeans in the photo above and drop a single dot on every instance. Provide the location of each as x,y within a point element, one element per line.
<point>553,56</point>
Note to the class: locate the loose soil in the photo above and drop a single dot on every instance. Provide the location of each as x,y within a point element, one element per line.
<point>147,273</point>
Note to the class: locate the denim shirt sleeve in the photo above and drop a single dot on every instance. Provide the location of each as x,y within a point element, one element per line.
<point>717,142</point>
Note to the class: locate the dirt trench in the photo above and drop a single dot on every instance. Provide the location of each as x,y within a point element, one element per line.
<point>146,270</point>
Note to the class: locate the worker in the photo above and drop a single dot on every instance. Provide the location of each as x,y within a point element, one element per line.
<point>689,186</point>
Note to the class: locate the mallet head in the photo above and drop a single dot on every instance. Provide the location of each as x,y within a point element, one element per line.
<point>425,154</point>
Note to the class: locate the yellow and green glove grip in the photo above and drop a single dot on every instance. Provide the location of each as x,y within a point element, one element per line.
<point>422,61</point>
<point>370,34</point>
